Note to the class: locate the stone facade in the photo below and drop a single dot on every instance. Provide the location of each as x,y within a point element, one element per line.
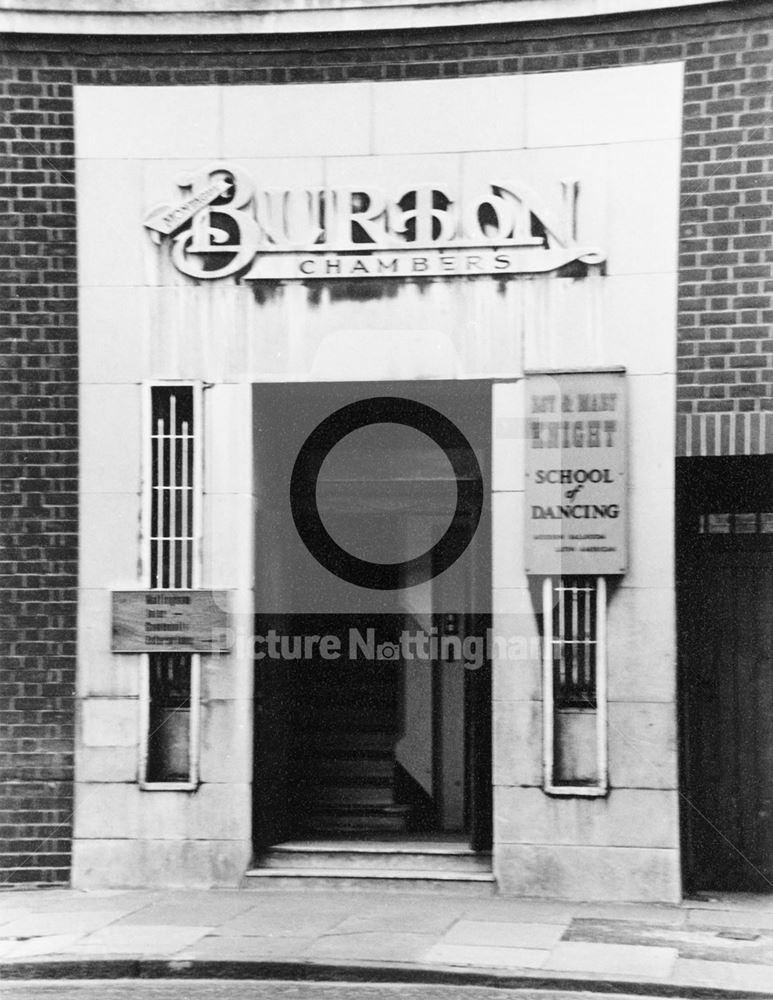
<point>717,143</point>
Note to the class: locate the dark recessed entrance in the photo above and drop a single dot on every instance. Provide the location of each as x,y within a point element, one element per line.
<point>372,707</point>
<point>725,609</point>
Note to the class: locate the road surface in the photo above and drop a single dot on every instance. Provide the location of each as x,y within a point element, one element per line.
<point>224,989</point>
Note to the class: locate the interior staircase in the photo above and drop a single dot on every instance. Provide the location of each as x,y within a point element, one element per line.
<point>345,755</point>
<point>348,786</point>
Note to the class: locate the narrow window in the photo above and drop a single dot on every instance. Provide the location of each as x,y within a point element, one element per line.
<point>169,717</point>
<point>172,472</point>
<point>170,702</point>
<point>575,752</point>
<point>573,642</point>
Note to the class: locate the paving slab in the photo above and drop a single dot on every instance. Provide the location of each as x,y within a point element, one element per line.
<point>78,922</point>
<point>520,911</point>
<point>373,947</point>
<point>651,913</point>
<point>140,940</point>
<point>731,901</point>
<point>724,975</point>
<point>690,942</point>
<point>614,959</point>
<point>418,921</point>
<point>54,944</point>
<point>296,923</point>
<point>762,919</point>
<point>491,957</point>
<point>70,900</point>
<point>9,913</point>
<point>254,949</point>
<point>503,934</point>
<point>200,911</point>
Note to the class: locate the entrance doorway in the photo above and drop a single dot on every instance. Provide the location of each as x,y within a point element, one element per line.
<point>372,706</point>
<point>725,616</point>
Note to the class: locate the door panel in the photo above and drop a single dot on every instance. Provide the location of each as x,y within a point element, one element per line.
<point>725,591</point>
<point>273,790</point>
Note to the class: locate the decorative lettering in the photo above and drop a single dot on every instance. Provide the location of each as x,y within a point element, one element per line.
<point>225,225</point>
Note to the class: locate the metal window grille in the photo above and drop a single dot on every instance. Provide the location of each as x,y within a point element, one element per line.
<point>574,641</point>
<point>171,514</point>
<point>172,679</point>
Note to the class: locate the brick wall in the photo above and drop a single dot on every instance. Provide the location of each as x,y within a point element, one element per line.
<point>725,345</point>
<point>38,425</point>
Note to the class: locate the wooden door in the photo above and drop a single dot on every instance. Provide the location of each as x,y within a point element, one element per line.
<point>726,654</point>
<point>479,747</point>
<point>273,787</point>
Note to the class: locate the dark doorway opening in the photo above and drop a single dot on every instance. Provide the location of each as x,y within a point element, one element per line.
<point>372,708</point>
<point>725,642</point>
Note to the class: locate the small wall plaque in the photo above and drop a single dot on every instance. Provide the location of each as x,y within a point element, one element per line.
<point>185,621</point>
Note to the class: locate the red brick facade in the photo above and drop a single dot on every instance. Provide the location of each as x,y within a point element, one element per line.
<point>725,345</point>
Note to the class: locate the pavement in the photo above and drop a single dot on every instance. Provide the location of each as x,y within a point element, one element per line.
<point>711,947</point>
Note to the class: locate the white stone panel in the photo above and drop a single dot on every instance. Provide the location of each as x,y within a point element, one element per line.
<point>226,741</point>
<point>101,673</point>
<point>107,810</point>
<point>516,654</point>
<point>154,122</point>
<point>110,223</point>
<point>588,873</point>
<point>395,174</point>
<point>641,645</point>
<point>619,104</point>
<point>652,437</point>
<point>108,764</point>
<point>639,323</point>
<point>212,812</point>
<point>109,722</point>
<point>508,439</point>
<point>110,427</point>
<point>191,864</point>
<point>302,120</point>
<point>111,336</point>
<point>643,207</point>
<point>227,530</point>
<point>651,533</point>
<point>507,536</point>
<point>517,742</point>
<point>228,458</point>
<point>562,322</point>
<point>385,355</point>
<point>642,745</point>
<point>626,818</point>
<point>109,540</point>
<point>430,116</point>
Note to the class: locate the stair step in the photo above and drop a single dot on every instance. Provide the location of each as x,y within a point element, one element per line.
<point>371,820</point>
<point>342,724</point>
<point>369,689</point>
<point>345,742</point>
<point>336,769</point>
<point>353,797</point>
<point>376,809</point>
<point>438,881</point>
<point>322,860</point>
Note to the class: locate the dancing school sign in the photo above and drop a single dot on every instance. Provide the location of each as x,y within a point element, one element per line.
<point>225,224</point>
<point>576,504</point>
